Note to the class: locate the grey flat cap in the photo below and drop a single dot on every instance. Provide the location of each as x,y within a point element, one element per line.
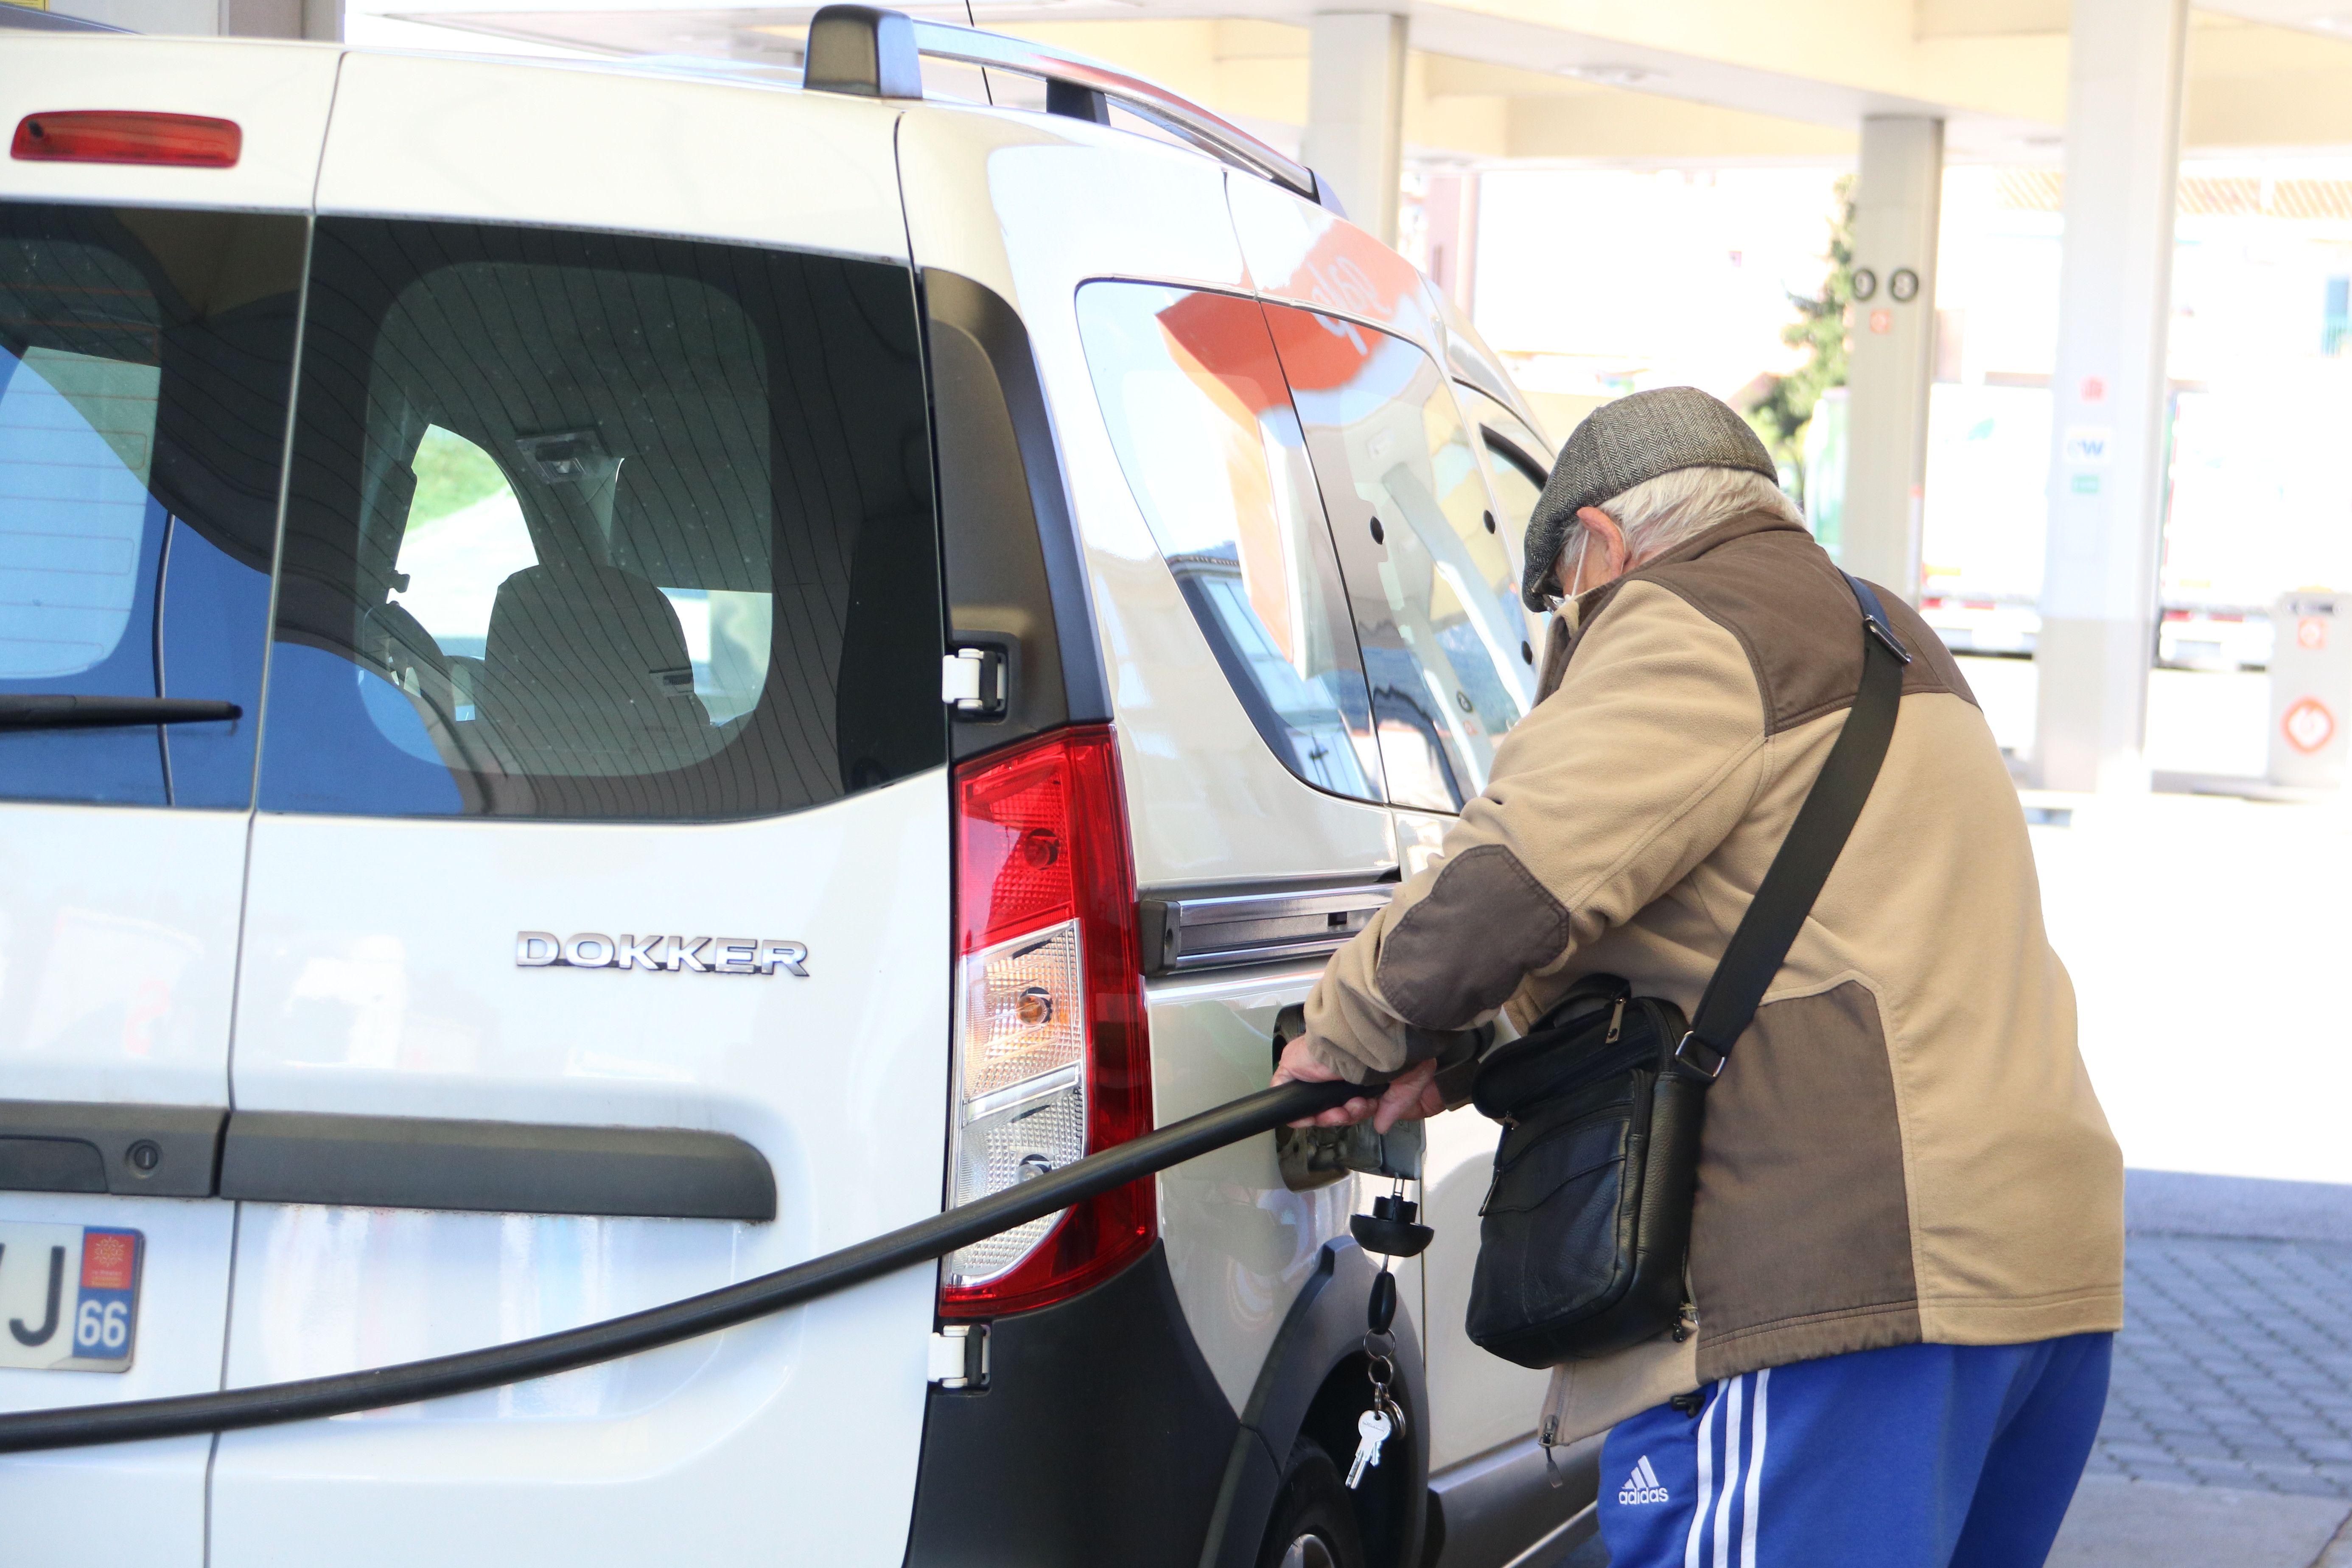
<point>1629,442</point>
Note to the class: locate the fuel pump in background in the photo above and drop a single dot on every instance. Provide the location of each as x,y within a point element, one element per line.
<point>2311,689</point>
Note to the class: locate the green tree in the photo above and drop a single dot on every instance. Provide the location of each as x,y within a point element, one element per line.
<point>1782,404</point>
<point>452,474</point>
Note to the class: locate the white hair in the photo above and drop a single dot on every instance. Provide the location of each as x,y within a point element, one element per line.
<point>1658,515</point>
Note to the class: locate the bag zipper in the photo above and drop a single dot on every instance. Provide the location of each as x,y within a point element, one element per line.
<point>1616,1022</point>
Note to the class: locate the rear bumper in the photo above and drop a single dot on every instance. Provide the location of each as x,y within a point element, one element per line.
<point>1101,1436</point>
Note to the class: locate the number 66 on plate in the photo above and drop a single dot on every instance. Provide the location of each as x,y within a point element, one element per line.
<point>69,1296</point>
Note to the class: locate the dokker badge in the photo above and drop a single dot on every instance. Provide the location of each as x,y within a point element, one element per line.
<point>697,955</point>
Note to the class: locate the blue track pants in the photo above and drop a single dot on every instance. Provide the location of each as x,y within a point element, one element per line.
<point>1916,1457</point>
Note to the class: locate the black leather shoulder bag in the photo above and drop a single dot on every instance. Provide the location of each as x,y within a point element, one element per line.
<point>1584,1237</point>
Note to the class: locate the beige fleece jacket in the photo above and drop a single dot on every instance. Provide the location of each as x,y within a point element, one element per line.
<point>1904,1146</point>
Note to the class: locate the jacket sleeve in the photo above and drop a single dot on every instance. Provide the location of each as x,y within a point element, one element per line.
<point>1601,799</point>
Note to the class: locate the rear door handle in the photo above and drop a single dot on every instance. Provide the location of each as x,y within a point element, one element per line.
<point>381,1161</point>
<point>85,1146</point>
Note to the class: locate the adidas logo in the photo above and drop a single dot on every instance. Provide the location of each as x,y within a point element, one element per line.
<point>1642,1486</point>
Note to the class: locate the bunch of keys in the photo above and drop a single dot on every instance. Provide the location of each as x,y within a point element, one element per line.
<point>1391,1231</point>
<point>1375,1427</point>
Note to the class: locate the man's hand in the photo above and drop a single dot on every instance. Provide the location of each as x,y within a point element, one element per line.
<point>1411,1096</point>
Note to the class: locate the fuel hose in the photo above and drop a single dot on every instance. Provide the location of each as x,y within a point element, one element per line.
<point>437,1378</point>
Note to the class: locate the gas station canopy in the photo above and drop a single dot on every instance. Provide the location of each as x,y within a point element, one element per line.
<point>1494,82</point>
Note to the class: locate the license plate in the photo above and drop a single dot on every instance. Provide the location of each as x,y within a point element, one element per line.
<point>69,1296</point>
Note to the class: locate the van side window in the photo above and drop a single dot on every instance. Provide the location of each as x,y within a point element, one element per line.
<point>145,360</point>
<point>1431,574</point>
<point>585,526</point>
<point>1203,427</point>
<point>1517,462</point>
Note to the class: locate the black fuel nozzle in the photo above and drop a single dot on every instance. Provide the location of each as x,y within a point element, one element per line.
<point>1389,1229</point>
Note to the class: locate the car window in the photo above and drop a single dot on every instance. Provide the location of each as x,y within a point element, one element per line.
<point>463,536</point>
<point>1516,460</point>
<point>588,526</point>
<point>145,359</point>
<point>76,427</point>
<point>1432,577</point>
<point>1203,427</point>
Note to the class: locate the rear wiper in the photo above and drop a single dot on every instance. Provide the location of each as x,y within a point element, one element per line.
<point>45,711</point>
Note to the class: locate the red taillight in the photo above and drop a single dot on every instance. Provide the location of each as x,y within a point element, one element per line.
<point>127,136</point>
<point>1045,907</point>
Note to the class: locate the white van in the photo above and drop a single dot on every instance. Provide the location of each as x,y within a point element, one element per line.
<point>615,677</point>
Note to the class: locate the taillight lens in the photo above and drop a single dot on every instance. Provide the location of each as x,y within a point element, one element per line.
<point>127,136</point>
<point>1051,1058</point>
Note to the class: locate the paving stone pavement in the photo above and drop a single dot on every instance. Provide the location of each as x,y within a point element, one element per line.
<point>2234,1368</point>
<point>2120,1523</point>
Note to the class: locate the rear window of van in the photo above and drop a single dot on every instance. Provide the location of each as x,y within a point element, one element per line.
<point>587,525</point>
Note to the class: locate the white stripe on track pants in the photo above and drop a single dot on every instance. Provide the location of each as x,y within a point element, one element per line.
<point>1914,1457</point>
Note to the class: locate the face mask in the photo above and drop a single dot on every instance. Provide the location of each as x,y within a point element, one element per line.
<point>1572,608</point>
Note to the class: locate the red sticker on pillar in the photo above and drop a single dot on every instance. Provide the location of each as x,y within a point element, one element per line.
<point>2309,726</point>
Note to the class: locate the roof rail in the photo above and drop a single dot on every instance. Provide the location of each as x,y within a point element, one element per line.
<point>875,53</point>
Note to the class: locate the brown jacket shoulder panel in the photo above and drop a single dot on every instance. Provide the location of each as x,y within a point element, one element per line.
<point>1766,582</point>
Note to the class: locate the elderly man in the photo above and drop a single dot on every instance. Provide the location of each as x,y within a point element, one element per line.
<point>1906,1251</point>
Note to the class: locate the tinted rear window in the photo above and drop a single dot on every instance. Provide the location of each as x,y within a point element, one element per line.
<point>591,526</point>
<point>145,359</point>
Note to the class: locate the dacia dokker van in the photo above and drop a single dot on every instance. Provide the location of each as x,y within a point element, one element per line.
<point>616,676</point>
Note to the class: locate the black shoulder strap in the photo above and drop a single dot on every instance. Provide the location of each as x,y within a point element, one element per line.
<point>1797,873</point>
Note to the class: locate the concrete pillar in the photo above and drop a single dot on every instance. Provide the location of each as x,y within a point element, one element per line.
<point>1896,200</point>
<point>177,19</point>
<point>1450,208</point>
<point>211,18</point>
<point>261,18</point>
<point>1355,112</point>
<point>2107,393</point>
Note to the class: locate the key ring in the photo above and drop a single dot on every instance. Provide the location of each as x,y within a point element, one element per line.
<point>1381,1371</point>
